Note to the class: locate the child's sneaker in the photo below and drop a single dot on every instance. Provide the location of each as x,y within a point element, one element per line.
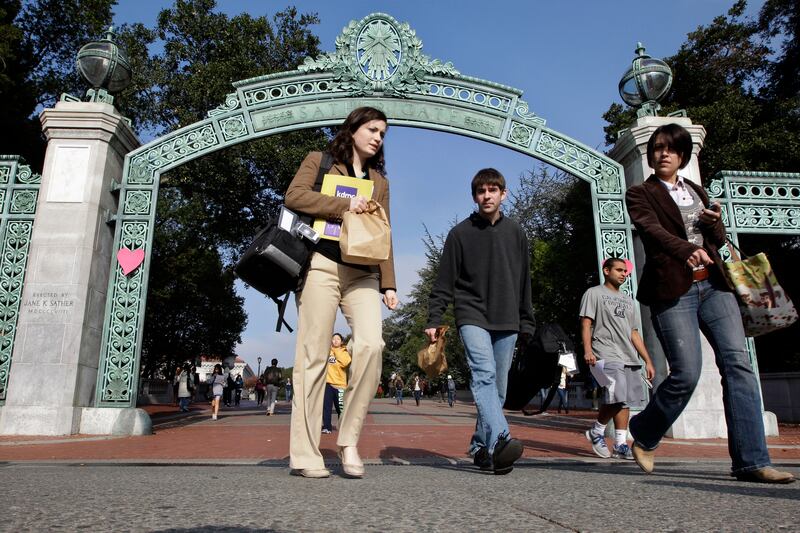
<point>598,444</point>
<point>623,451</point>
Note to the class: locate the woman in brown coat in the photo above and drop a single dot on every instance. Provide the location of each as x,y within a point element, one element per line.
<point>331,284</point>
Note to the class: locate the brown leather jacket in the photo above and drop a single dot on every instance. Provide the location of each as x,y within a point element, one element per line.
<point>666,276</point>
<point>301,197</point>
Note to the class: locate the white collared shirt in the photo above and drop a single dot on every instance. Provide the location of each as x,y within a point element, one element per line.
<point>679,192</point>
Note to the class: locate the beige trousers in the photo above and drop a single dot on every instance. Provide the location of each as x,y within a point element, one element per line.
<point>329,286</point>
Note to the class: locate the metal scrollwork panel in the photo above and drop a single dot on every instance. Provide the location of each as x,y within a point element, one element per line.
<point>233,127</point>
<point>611,211</point>
<point>23,201</point>
<point>137,202</point>
<point>581,162</point>
<point>16,243</point>
<point>116,379</point>
<point>767,217</point>
<point>144,166</point>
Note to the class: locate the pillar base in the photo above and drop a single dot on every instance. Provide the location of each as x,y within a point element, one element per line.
<point>54,421</point>
<point>115,421</point>
<point>710,424</point>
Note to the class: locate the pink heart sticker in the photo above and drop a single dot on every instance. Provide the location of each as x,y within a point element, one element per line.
<point>130,260</point>
<point>628,265</point>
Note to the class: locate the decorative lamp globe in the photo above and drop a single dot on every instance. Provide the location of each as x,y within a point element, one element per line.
<point>104,66</point>
<point>645,83</point>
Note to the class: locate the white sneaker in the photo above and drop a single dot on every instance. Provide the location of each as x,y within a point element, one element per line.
<point>213,417</point>
<point>599,445</point>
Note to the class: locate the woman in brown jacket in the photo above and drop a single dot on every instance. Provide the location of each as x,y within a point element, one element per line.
<point>331,284</point>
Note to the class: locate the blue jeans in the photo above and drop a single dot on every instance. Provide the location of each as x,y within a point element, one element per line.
<point>489,356</point>
<point>678,324</point>
<point>451,397</point>
<point>184,403</point>
<point>398,396</point>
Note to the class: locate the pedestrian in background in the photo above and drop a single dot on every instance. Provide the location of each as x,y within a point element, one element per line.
<point>398,389</point>
<point>273,376</point>
<point>183,380</point>
<point>289,390</point>
<point>335,382</point>
<point>609,334</point>
<point>451,390</point>
<point>261,389</point>
<point>416,386</point>
<point>216,384</point>
<point>238,385</point>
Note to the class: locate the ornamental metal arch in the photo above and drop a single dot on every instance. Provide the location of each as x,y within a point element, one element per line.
<point>378,62</point>
<point>19,191</point>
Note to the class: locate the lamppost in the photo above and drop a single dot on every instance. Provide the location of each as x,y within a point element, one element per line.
<point>259,366</point>
<point>645,83</point>
<point>105,67</point>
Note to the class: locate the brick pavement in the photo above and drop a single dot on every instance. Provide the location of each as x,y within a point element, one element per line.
<point>392,433</point>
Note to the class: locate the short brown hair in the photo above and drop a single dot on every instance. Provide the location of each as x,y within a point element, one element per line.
<point>608,263</point>
<point>488,176</point>
<point>676,138</point>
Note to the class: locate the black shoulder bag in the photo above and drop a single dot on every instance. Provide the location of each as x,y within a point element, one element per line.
<point>277,259</point>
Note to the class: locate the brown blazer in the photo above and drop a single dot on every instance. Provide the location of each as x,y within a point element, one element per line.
<point>301,197</point>
<point>666,276</point>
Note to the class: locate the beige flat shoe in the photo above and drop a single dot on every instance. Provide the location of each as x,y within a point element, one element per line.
<point>314,473</point>
<point>351,462</point>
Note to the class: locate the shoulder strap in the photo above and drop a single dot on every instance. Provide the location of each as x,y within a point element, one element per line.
<point>325,165</point>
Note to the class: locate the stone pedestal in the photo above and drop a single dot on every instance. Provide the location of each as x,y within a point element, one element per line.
<point>56,353</point>
<point>704,416</point>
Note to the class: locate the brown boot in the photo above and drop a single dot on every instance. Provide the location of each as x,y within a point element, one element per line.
<point>766,475</point>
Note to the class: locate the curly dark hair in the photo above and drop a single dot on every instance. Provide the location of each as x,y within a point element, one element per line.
<point>341,147</point>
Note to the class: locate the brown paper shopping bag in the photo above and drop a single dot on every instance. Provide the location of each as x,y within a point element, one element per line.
<point>431,358</point>
<point>366,238</point>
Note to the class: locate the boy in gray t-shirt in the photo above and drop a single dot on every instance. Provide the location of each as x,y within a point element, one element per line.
<point>609,333</point>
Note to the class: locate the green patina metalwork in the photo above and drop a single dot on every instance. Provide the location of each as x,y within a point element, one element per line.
<point>378,62</point>
<point>19,190</point>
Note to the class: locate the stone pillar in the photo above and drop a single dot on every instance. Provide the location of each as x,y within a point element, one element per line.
<point>704,416</point>
<point>56,353</point>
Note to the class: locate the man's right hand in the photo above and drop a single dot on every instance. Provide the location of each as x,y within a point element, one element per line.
<point>431,333</point>
<point>589,358</point>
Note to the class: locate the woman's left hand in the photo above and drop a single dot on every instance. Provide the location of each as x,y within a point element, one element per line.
<point>390,299</point>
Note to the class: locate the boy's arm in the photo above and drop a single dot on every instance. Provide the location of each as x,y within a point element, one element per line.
<point>638,343</point>
<point>586,339</point>
<point>442,290</point>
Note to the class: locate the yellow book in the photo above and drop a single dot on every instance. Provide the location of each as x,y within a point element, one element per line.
<point>341,187</point>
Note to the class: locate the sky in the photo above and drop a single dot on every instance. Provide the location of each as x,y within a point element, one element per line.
<point>567,57</point>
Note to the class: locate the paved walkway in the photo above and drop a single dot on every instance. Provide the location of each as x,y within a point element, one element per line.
<point>393,434</point>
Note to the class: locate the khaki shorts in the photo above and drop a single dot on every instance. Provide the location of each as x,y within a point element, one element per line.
<point>627,385</point>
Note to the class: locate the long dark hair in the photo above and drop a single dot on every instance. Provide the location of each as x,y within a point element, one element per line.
<point>341,147</point>
<point>217,367</point>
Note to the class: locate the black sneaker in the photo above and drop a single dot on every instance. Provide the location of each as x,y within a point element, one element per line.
<point>506,451</point>
<point>482,459</point>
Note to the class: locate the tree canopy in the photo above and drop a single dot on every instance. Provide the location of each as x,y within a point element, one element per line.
<point>208,209</point>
